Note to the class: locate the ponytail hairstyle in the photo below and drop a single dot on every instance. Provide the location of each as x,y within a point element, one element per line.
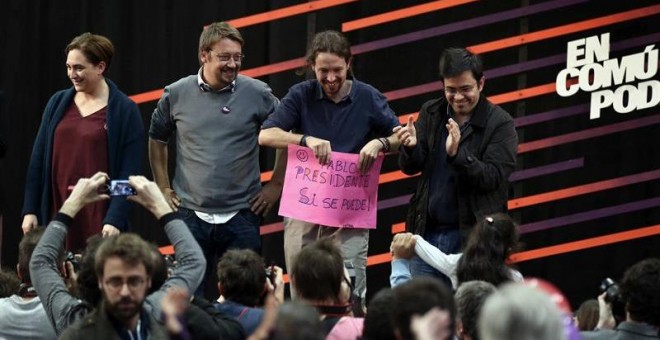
<point>489,245</point>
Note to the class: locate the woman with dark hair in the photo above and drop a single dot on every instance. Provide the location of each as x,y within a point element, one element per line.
<point>489,246</point>
<point>87,128</point>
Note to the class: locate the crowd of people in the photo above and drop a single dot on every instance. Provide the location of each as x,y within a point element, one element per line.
<point>450,272</point>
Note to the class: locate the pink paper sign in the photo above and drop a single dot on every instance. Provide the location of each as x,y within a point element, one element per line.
<point>334,194</point>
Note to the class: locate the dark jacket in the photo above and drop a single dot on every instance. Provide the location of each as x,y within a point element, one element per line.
<point>96,325</point>
<point>625,331</point>
<point>486,157</point>
<point>126,141</point>
<point>204,321</point>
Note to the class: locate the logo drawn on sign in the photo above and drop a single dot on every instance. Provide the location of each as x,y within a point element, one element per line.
<point>302,155</point>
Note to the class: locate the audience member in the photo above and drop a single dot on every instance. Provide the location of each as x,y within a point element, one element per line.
<point>320,279</point>
<point>470,298</point>
<point>417,297</point>
<point>586,317</point>
<point>640,290</point>
<point>433,325</point>
<point>242,283</point>
<point>489,246</point>
<point>123,267</point>
<point>61,307</point>
<point>22,315</point>
<point>202,319</point>
<point>378,321</point>
<point>521,312</point>
<point>9,283</point>
<point>297,321</point>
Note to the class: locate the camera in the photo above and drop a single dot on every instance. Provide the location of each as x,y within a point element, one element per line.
<point>614,298</point>
<point>120,187</point>
<point>71,257</point>
<point>270,274</point>
<point>611,290</point>
<point>170,263</point>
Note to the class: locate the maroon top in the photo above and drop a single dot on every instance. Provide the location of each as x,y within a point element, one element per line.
<point>80,149</point>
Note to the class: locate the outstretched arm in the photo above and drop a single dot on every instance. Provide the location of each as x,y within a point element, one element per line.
<point>189,256</point>
<point>445,263</point>
<point>61,307</point>
<point>402,249</point>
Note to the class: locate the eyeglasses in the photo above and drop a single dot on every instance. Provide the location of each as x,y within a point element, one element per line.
<point>225,57</point>
<point>133,282</point>
<point>464,90</point>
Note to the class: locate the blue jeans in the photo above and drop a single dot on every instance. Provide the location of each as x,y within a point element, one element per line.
<point>448,241</point>
<point>240,232</point>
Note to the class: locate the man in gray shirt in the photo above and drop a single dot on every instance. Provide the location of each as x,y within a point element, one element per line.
<point>22,315</point>
<point>215,115</point>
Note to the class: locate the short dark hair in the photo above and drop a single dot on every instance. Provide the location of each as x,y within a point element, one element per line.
<point>96,48</point>
<point>489,244</point>
<point>418,296</point>
<point>587,315</point>
<point>318,271</point>
<point>378,321</point>
<point>242,274</point>
<point>455,61</point>
<point>470,298</point>
<point>159,275</point>
<point>216,32</point>
<point>9,283</point>
<point>128,247</point>
<point>25,250</point>
<point>328,42</point>
<point>640,288</point>
<point>88,283</point>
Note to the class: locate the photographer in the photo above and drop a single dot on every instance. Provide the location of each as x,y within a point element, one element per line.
<point>243,283</point>
<point>62,308</point>
<point>640,293</point>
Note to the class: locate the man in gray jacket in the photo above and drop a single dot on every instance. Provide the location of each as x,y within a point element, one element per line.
<point>62,308</point>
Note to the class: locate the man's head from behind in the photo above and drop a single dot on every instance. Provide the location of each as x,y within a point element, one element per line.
<point>242,277</point>
<point>519,311</point>
<point>123,267</point>
<point>416,297</point>
<point>318,272</point>
<point>378,321</point>
<point>470,298</point>
<point>640,288</point>
<point>25,250</point>
<point>9,283</point>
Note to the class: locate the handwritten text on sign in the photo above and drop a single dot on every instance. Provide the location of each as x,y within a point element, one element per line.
<point>334,194</point>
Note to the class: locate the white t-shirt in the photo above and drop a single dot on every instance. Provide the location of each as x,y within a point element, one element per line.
<point>446,263</point>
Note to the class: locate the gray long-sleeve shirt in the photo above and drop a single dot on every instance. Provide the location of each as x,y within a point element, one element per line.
<point>63,309</point>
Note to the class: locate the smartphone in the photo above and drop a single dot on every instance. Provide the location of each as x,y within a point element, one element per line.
<point>120,187</point>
